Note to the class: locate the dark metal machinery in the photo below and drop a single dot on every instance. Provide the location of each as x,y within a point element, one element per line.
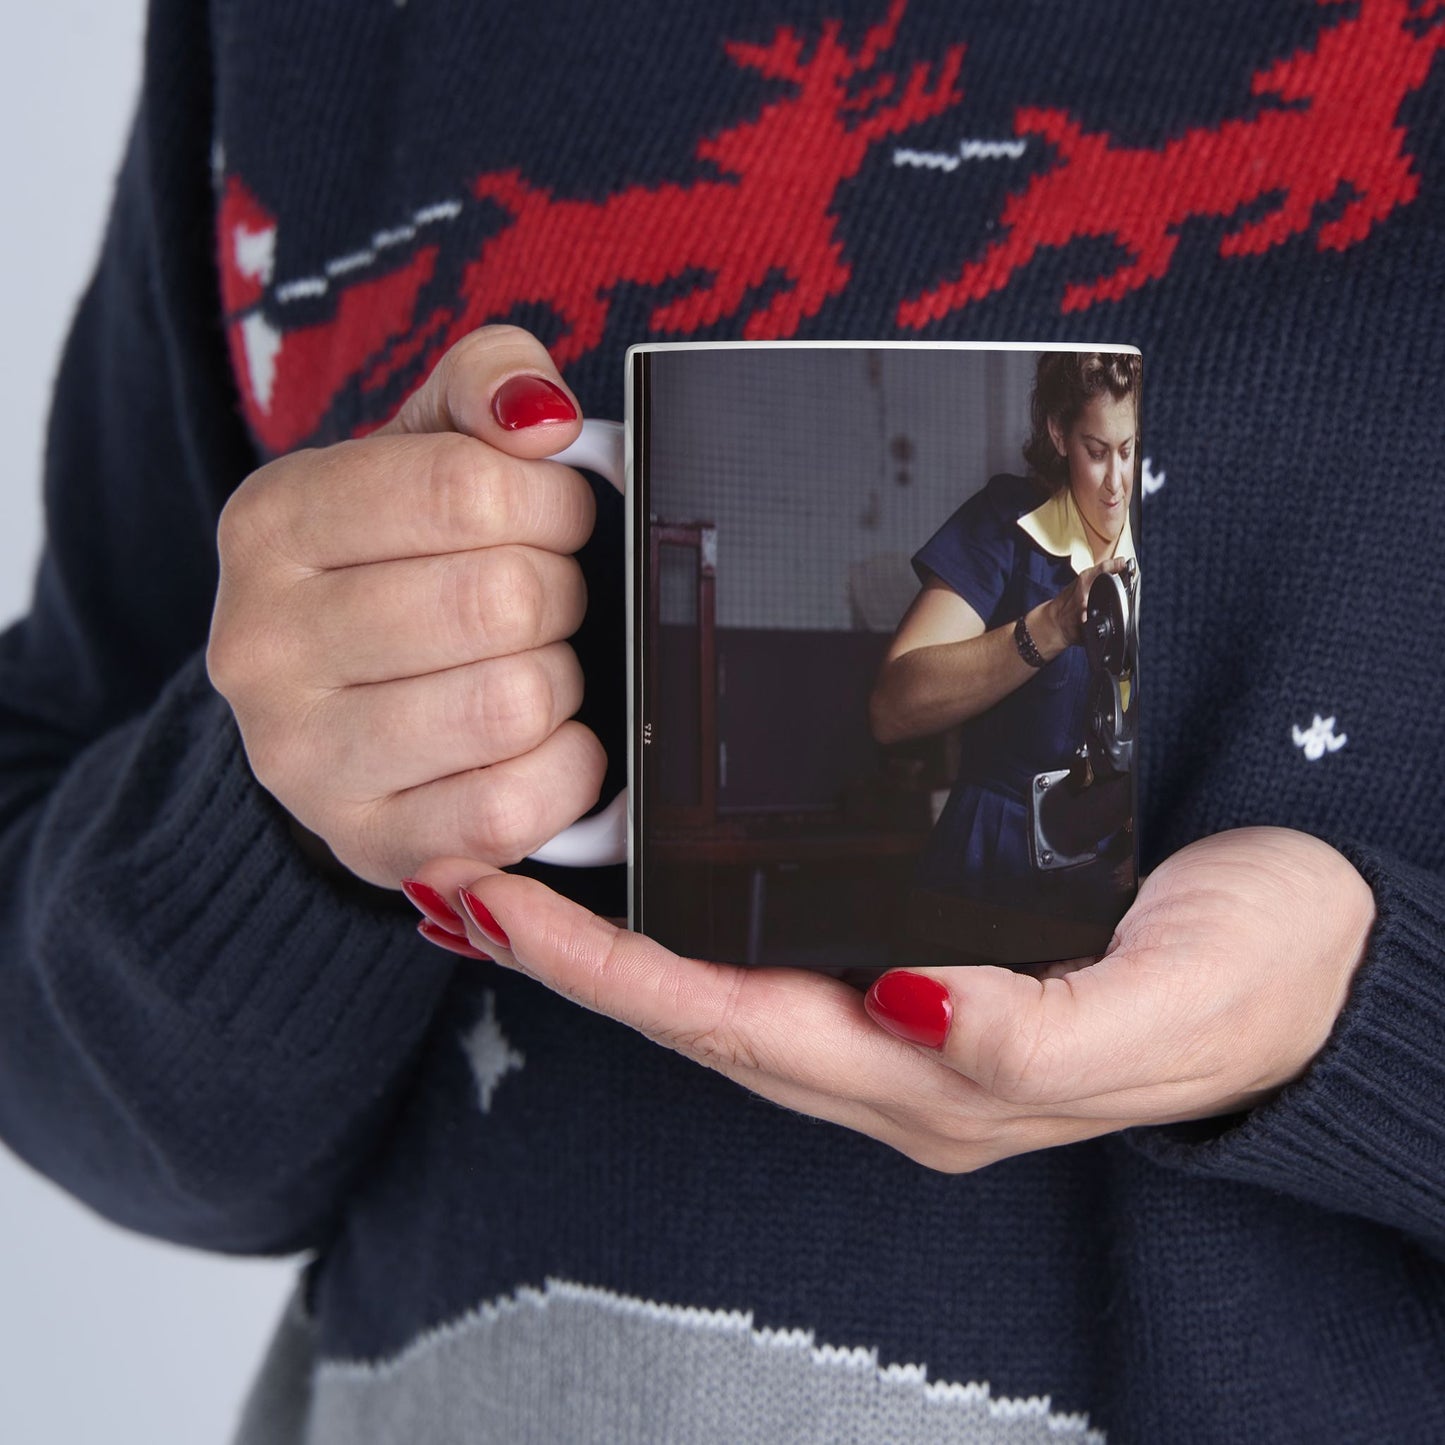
<point>1074,811</point>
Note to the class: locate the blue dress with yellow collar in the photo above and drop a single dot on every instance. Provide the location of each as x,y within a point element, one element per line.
<point>1007,549</point>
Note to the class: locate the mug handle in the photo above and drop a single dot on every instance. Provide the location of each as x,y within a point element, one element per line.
<point>601,839</point>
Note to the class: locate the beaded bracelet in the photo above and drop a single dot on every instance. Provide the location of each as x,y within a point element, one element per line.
<point>1025,644</point>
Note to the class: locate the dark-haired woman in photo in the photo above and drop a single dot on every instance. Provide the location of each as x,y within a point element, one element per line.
<point>993,640</point>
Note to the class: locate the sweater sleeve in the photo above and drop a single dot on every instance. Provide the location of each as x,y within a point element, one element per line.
<point>1362,1131</point>
<point>200,1036</point>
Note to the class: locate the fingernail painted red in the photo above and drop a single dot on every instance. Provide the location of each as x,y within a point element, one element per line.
<point>450,941</point>
<point>481,915</point>
<point>913,1007</point>
<point>527,401</point>
<point>434,906</point>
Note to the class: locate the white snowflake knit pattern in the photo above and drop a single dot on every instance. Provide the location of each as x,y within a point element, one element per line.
<point>489,1052</point>
<point>1319,738</point>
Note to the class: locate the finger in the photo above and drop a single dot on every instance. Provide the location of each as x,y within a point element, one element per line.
<point>500,386</point>
<point>1099,569</point>
<point>388,737</point>
<point>445,939</point>
<point>405,496</point>
<point>806,1030</point>
<point>433,906</point>
<point>460,883</point>
<point>497,814</point>
<point>444,880</point>
<point>423,614</point>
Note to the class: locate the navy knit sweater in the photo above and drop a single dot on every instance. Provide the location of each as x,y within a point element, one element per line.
<point>529,1223</point>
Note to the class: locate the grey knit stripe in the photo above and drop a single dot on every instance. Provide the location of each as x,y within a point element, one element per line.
<point>574,1363</point>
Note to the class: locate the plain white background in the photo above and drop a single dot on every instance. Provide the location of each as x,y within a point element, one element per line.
<point>104,1337</point>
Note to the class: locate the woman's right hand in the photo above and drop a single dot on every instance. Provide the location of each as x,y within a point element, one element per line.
<point>1068,611</point>
<point>390,622</point>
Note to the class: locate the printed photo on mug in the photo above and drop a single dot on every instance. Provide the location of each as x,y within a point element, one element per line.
<point>885,669</point>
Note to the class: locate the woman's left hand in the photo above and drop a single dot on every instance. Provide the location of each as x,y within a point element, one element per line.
<point>1221,984</point>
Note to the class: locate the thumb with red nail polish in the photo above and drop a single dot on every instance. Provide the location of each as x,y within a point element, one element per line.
<point>525,401</point>
<point>499,386</point>
<point>911,1006</point>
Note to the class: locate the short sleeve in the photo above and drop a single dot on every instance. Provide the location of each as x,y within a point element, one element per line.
<point>974,551</point>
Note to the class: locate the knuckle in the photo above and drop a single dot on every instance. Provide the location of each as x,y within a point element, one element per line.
<point>718,1042</point>
<point>257,516</point>
<point>458,362</point>
<point>591,755</point>
<point>366,843</point>
<point>529,704</point>
<point>572,588</point>
<point>232,526</point>
<point>466,371</point>
<point>512,811</point>
<point>717,1049</point>
<point>245,655</point>
<point>460,504</point>
<point>228,666</point>
<point>223,664</point>
<point>499,336</point>
<point>516,597</point>
<point>474,491</point>
<point>568,685</point>
<point>507,602</point>
<point>517,705</point>
<point>595,988</point>
<point>588,763</point>
<point>500,331</point>
<point>239,530</point>
<point>479,343</point>
<point>244,509</point>
<point>507,821</point>
<point>537,699</point>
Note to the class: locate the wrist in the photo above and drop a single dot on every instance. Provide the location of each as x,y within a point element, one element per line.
<point>1044,628</point>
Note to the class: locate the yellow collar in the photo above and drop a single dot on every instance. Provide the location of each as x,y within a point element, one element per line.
<point>1059,529</point>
